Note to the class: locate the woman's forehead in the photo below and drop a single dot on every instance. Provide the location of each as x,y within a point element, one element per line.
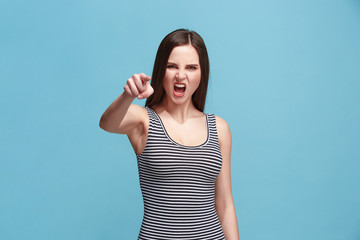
<point>184,54</point>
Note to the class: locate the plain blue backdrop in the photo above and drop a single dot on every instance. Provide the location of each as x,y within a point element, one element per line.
<point>285,75</point>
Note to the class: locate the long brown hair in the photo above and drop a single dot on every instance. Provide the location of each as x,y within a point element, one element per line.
<point>176,38</point>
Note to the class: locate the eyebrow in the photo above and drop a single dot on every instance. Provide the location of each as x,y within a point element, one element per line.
<point>193,64</point>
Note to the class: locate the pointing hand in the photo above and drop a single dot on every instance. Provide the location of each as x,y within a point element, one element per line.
<point>139,86</point>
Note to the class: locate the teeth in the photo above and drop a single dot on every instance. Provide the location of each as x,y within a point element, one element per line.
<point>180,85</point>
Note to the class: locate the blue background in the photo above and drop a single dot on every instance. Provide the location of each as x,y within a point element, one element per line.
<point>285,75</point>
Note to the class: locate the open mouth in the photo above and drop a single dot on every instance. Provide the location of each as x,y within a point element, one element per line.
<point>179,87</point>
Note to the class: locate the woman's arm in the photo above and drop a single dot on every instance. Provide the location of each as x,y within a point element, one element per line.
<point>126,118</point>
<point>224,203</point>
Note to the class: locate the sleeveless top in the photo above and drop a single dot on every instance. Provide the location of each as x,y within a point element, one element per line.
<point>178,185</point>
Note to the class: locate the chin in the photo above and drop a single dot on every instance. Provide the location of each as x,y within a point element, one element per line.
<point>180,100</point>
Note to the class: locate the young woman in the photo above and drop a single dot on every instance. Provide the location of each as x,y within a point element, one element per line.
<point>183,155</point>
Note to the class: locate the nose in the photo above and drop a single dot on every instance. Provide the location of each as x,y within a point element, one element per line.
<point>181,75</point>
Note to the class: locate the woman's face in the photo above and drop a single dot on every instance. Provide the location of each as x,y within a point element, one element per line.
<point>183,74</point>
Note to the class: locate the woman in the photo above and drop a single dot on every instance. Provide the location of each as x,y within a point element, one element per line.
<point>183,154</point>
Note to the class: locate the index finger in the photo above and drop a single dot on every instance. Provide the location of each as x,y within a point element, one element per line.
<point>144,77</point>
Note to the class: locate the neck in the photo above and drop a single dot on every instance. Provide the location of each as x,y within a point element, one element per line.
<point>179,112</point>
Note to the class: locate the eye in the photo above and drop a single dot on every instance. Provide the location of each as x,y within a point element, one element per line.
<point>171,66</point>
<point>191,67</point>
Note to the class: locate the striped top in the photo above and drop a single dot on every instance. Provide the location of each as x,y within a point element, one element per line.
<point>178,185</point>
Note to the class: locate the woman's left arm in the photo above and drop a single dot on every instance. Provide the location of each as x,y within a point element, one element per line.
<point>224,202</point>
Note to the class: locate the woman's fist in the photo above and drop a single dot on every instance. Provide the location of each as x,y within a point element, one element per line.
<point>139,86</point>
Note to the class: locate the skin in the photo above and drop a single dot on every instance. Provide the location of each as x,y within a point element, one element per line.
<point>183,122</point>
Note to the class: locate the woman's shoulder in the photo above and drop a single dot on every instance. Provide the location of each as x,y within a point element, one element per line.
<point>221,123</point>
<point>138,112</point>
<point>223,129</point>
<point>138,109</point>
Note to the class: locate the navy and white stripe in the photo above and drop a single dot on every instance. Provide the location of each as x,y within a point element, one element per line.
<point>178,185</point>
